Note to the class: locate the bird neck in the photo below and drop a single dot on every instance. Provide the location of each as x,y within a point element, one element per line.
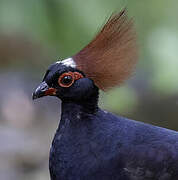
<point>87,105</point>
<point>74,112</point>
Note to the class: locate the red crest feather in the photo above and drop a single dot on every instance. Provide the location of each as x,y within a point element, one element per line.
<point>110,57</point>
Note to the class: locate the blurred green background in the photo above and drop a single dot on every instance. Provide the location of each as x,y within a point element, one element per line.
<point>36,33</point>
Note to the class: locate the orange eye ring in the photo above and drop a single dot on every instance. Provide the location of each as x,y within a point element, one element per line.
<point>68,78</point>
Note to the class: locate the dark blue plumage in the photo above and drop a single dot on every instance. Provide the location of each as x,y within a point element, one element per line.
<point>96,144</point>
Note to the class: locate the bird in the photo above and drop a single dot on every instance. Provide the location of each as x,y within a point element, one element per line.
<point>91,143</point>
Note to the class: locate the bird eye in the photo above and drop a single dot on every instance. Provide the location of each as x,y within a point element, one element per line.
<point>66,80</point>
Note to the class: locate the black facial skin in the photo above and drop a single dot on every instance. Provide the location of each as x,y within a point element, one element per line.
<point>80,90</point>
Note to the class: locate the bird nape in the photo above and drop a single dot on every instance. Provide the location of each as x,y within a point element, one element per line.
<point>90,143</point>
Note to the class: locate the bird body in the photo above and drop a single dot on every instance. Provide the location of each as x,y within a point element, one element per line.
<point>90,143</point>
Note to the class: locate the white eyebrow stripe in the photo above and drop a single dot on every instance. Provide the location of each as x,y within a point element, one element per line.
<point>68,62</point>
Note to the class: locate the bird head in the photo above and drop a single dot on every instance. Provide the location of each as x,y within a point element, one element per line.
<point>65,81</point>
<point>105,62</point>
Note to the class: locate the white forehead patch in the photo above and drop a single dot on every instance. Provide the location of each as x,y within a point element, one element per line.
<point>68,62</point>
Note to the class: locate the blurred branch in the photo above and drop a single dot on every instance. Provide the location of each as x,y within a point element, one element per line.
<point>19,49</point>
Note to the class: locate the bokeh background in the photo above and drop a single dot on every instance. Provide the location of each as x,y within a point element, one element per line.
<point>36,33</point>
